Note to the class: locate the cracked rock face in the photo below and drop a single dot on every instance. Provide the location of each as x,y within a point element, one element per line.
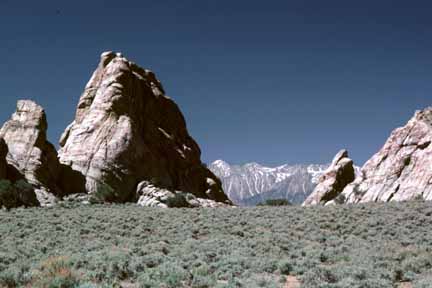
<point>29,154</point>
<point>402,169</point>
<point>340,173</point>
<point>127,131</point>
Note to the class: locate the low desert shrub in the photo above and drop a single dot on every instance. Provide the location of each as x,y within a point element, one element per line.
<point>8,197</point>
<point>275,202</point>
<point>367,245</point>
<point>17,194</point>
<point>104,193</point>
<point>285,267</point>
<point>55,272</point>
<point>177,201</point>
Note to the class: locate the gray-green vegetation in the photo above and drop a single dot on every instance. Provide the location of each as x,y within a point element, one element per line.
<point>275,202</point>
<point>371,245</point>
<point>16,194</point>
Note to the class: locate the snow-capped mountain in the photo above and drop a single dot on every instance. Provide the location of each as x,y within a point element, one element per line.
<point>253,183</point>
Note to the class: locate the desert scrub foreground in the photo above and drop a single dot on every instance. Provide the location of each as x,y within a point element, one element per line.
<point>372,245</point>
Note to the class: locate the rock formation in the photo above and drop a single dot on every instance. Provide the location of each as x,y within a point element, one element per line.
<point>340,173</point>
<point>402,169</point>
<point>126,132</point>
<point>29,154</point>
<point>151,196</point>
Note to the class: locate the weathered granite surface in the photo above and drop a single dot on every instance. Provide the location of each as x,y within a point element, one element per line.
<point>127,131</point>
<point>340,173</point>
<point>30,156</point>
<point>402,169</point>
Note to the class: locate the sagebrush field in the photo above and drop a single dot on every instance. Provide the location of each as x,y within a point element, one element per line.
<point>373,245</point>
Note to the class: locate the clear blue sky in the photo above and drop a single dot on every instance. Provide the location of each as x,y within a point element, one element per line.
<point>266,81</point>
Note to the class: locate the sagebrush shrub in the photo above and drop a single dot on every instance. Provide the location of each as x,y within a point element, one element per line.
<point>367,245</point>
<point>177,201</point>
<point>55,272</point>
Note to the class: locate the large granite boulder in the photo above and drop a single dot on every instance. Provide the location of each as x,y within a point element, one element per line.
<point>402,169</point>
<point>127,131</point>
<point>332,182</point>
<point>29,155</point>
<point>152,196</point>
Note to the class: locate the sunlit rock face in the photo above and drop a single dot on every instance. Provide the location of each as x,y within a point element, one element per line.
<point>332,182</point>
<point>402,169</point>
<point>127,131</point>
<point>30,155</point>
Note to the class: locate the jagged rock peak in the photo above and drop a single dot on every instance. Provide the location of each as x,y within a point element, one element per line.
<point>32,114</point>
<point>30,155</point>
<point>126,131</point>
<point>339,157</point>
<point>340,173</point>
<point>424,115</point>
<point>401,169</point>
<point>112,73</point>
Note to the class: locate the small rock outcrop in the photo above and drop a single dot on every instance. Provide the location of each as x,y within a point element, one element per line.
<point>402,169</point>
<point>340,173</point>
<point>29,155</point>
<point>127,131</point>
<point>151,196</point>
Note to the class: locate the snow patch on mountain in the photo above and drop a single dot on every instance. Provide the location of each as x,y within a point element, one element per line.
<point>252,183</point>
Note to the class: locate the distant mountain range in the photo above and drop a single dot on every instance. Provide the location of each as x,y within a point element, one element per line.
<point>252,183</point>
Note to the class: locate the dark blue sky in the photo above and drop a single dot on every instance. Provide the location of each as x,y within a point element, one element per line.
<point>267,81</point>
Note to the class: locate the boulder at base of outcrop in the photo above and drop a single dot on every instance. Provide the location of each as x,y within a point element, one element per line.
<point>151,196</point>
<point>402,169</point>
<point>127,131</point>
<point>340,173</point>
<point>30,156</point>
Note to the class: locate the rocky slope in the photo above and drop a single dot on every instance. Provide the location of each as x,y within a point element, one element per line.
<point>29,155</point>
<point>252,183</point>
<point>128,132</point>
<point>332,182</point>
<point>401,170</point>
